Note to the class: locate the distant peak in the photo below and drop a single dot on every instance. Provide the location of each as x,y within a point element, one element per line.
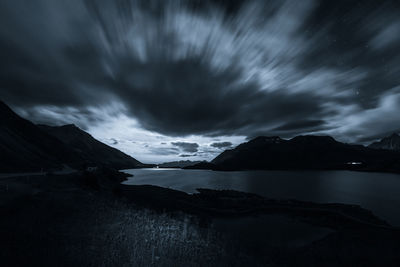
<point>6,113</point>
<point>72,126</point>
<point>5,107</point>
<point>391,142</point>
<point>266,139</point>
<point>325,138</point>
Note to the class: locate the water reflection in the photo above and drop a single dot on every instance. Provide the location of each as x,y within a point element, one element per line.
<point>375,191</point>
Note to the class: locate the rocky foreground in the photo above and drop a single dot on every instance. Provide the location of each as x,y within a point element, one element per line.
<point>90,219</point>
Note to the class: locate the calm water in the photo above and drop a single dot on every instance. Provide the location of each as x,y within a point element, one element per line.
<point>378,192</point>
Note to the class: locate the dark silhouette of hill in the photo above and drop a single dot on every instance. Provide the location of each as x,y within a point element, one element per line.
<point>178,164</point>
<point>390,143</point>
<point>304,152</point>
<point>25,146</point>
<point>91,150</point>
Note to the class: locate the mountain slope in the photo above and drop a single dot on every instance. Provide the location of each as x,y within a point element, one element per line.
<point>90,149</point>
<point>390,143</point>
<point>305,152</point>
<point>24,147</point>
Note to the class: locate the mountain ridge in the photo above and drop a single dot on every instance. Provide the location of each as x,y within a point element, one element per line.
<point>391,142</point>
<point>92,150</point>
<point>25,146</point>
<point>303,152</point>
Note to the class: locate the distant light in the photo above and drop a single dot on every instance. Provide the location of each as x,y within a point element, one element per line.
<point>354,163</point>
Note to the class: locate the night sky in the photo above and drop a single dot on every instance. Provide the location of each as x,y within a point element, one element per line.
<point>169,80</point>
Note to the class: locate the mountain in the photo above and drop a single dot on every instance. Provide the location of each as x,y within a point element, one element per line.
<point>91,150</point>
<point>25,147</point>
<point>178,164</point>
<point>390,143</point>
<point>304,152</point>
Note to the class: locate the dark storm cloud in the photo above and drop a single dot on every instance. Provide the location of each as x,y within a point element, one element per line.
<point>288,130</point>
<point>165,151</point>
<point>302,124</point>
<point>221,144</point>
<point>205,67</point>
<point>186,147</point>
<point>187,155</point>
<point>357,35</point>
<point>187,97</point>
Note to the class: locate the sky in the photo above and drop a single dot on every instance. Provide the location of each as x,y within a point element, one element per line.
<point>184,80</point>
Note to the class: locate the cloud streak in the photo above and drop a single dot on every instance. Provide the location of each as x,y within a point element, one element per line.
<point>185,69</point>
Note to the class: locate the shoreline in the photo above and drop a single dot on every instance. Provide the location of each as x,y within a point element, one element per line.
<point>57,212</point>
<point>231,203</point>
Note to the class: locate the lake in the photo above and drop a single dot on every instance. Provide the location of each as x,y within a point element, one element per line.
<point>378,192</point>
